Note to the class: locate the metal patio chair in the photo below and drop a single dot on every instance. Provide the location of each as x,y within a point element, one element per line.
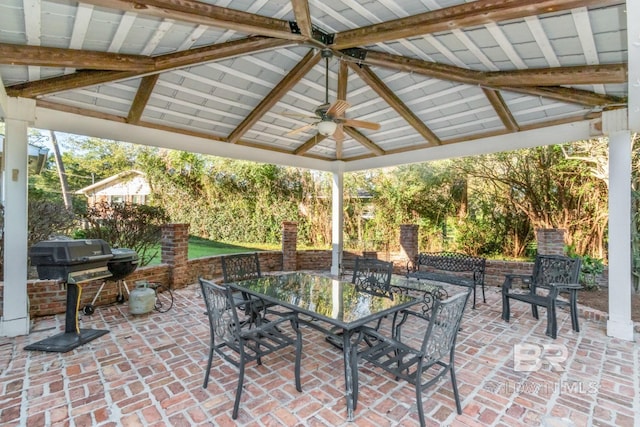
<point>240,342</point>
<point>552,275</point>
<point>238,267</point>
<point>372,276</point>
<point>404,360</point>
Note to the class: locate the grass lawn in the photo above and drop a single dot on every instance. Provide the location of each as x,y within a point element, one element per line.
<point>199,247</point>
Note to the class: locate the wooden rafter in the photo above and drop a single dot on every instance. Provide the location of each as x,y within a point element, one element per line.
<point>204,14</point>
<point>309,144</point>
<point>303,17</point>
<point>166,62</point>
<point>12,54</point>
<point>217,52</point>
<point>142,97</point>
<point>501,108</point>
<point>392,99</point>
<point>568,95</point>
<point>366,142</point>
<point>584,74</point>
<point>557,76</point>
<point>294,76</point>
<point>343,77</point>
<point>457,17</point>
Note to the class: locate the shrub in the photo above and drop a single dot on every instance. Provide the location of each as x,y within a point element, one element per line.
<point>126,225</point>
<point>589,270</point>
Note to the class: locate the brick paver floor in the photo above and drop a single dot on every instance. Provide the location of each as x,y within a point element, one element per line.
<point>148,371</point>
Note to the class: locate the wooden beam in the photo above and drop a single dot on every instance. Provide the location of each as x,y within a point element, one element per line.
<point>478,78</point>
<point>77,80</point>
<point>569,95</point>
<point>420,66</point>
<point>460,16</point>
<point>501,108</point>
<point>217,51</point>
<point>303,17</point>
<point>578,75</point>
<point>169,61</point>
<point>309,144</point>
<point>200,13</point>
<point>290,80</point>
<point>366,142</point>
<point>343,77</point>
<point>72,58</point>
<point>339,150</point>
<point>385,93</point>
<point>142,97</point>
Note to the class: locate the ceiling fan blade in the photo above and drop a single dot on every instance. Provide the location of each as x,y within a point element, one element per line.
<point>338,108</point>
<point>338,135</point>
<point>360,124</point>
<point>301,129</point>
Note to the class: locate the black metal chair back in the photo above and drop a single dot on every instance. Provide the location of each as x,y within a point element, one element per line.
<point>550,269</point>
<point>372,275</point>
<point>238,267</point>
<point>239,341</point>
<point>404,360</point>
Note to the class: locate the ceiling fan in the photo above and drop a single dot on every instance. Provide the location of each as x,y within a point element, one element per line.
<point>330,117</point>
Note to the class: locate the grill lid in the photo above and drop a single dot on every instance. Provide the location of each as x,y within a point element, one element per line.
<point>71,260</point>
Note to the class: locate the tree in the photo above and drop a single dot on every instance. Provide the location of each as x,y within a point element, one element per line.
<point>64,184</point>
<point>552,191</point>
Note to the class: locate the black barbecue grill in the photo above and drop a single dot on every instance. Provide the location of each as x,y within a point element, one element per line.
<point>123,263</point>
<point>72,262</point>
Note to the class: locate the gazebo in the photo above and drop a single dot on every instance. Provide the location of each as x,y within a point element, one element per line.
<point>335,86</point>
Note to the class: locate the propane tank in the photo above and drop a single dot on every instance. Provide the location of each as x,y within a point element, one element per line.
<point>141,299</point>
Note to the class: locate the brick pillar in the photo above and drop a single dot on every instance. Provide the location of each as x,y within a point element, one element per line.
<point>289,245</point>
<point>175,252</point>
<point>408,241</point>
<point>550,241</point>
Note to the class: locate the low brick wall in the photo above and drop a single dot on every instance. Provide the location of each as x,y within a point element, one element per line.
<point>49,297</point>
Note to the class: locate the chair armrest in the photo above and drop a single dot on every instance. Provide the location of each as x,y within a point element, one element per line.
<point>370,332</point>
<point>566,286</point>
<point>396,327</point>
<point>264,325</point>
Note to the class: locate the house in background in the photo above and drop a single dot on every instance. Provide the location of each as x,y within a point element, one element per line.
<point>129,186</point>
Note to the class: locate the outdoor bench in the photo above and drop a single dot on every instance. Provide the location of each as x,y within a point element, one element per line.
<point>450,267</point>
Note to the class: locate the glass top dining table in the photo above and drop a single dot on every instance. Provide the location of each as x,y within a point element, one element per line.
<point>329,299</point>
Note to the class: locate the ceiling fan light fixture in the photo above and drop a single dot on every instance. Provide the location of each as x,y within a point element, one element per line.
<point>327,127</point>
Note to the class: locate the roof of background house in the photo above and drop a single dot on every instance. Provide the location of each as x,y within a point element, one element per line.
<point>111,181</point>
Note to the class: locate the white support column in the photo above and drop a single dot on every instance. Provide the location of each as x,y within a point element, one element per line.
<point>619,324</point>
<point>19,114</point>
<point>633,64</point>
<point>337,218</point>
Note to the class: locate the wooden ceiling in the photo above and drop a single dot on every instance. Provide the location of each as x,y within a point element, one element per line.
<point>431,72</point>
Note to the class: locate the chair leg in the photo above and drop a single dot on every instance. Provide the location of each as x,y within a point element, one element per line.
<point>208,371</point>
<point>506,309</point>
<point>484,299</point>
<point>534,311</point>
<point>552,325</point>
<point>573,306</point>
<point>455,389</point>
<point>236,404</point>
<point>354,375</point>
<point>474,298</point>
<point>298,358</point>
<point>419,403</point>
